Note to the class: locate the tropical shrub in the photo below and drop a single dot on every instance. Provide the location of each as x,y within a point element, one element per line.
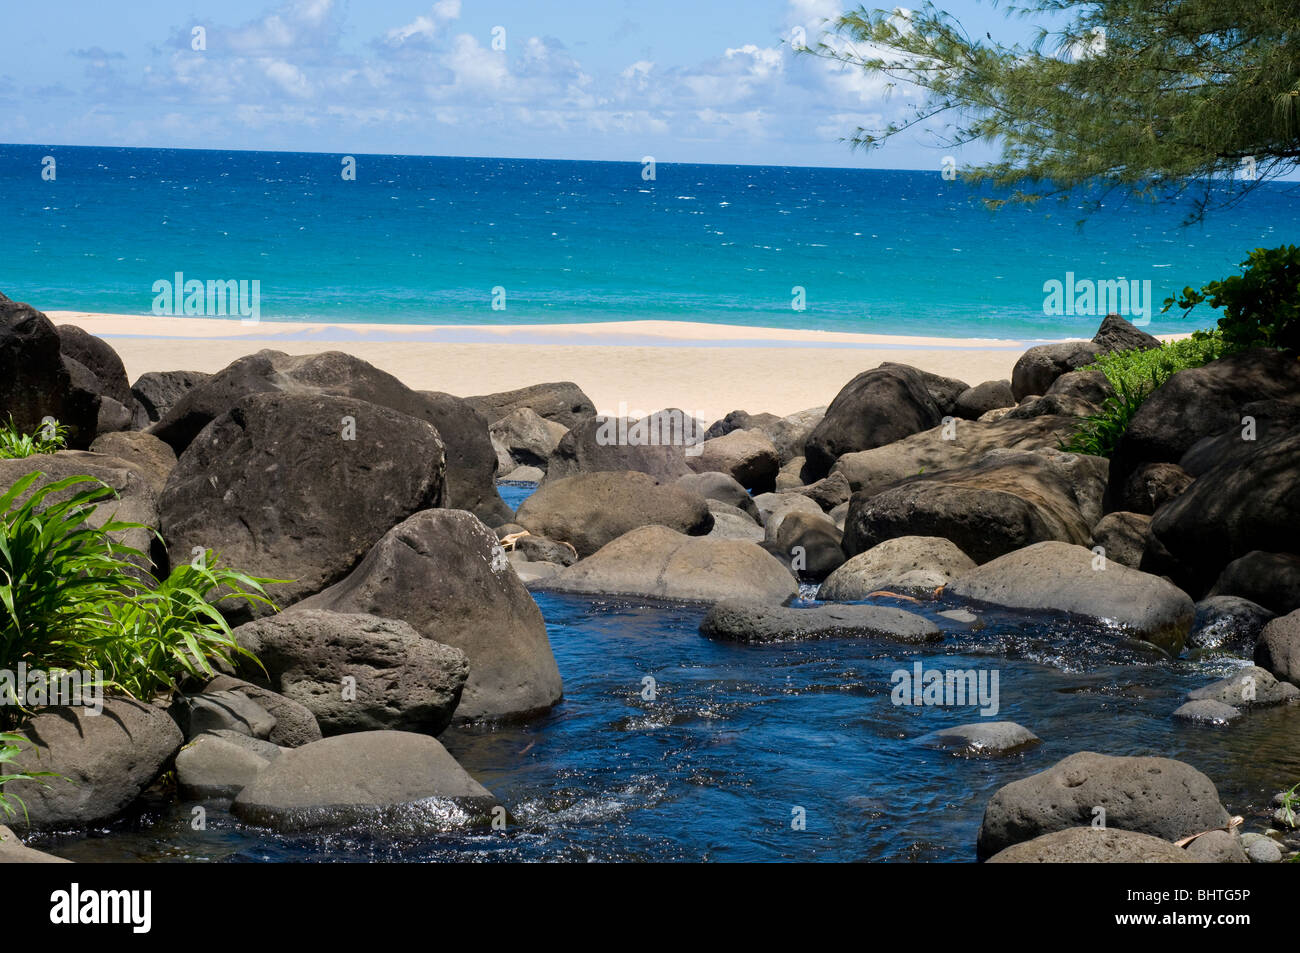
<point>1261,306</point>
<point>10,747</point>
<point>14,443</point>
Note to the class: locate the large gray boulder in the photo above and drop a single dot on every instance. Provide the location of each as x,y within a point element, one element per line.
<point>721,487</point>
<point>444,572</point>
<point>657,563</point>
<point>365,778</point>
<point>1231,510</point>
<point>1091,845</point>
<point>106,761</point>
<point>35,379</point>
<point>657,445</point>
<point>1228,622</point>
<point>144,453</point>
<point>97,356</point>
<point>156,392</point>
<point>357,672</point>
<point>875,408</point>
<point>1067,578</point>
<point>295,724</point>
<point>748,620</point>
<point>982,738</point>
<point>1156,796</point>
<point>561,402</point>
<point>214,767</point>
<point>975,402</point>
<point>589,510</point>
<point>1271,580</point>
<point>809,543</point>
<point>1008,500</point>
<point>1040,366</point>
<point>525,438</point>
<point>1122,537</point>
<point>747,456</point>
<point>901,564</point>
<point>1278,649</point>
<point>277,490</point>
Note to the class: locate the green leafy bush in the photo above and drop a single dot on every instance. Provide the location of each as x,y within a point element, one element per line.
<point>10,747</point>
<point>1261,306</point>
<point>1134,375</point>
<point>14,443</point>
<point>75,599</point>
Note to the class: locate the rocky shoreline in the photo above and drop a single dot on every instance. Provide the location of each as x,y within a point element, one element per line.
<point>405,604</point>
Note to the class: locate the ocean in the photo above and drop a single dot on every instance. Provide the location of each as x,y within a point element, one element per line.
<point>441,240</point>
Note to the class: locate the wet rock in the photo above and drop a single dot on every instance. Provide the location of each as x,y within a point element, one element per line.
<point>1249,688</point>
<point>13,851</point>
<point>983,738</point>
<point>740,620</point>
<point>1227,622</point>
<point>902,564</point>
<point>1088,845</point>
<point>809,543</point>
<point>369,777</point>
<point>656,562</point>
<point>1207,712</point>
<point>106,761</point>
<point>1278,649</point>
<point>589,510</point>
<point>276,490</point>
<point>446,574</point>
<point>358,672</point>
<point>1157,796</point>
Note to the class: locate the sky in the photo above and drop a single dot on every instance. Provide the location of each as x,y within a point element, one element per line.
<point>680,80</point>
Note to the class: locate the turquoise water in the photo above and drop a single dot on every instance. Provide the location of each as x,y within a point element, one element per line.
<point>419,240</point>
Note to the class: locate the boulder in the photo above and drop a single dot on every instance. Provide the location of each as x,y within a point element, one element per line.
<point>541,549</point>
<point>721,487</point>
<point>357,672</point>
<point>1008,500</point>
<point>562,402</point>
<point>789,434</point>
<point>156,392</point>
<point>904,563</point>
<point>221,710</point>
<point>828,492</point>
<point>1262,420</point>
<point>1122,537</point>
<point>366,778</point>
<point>1201,402</point>
<point>589,510</point>
<point>750,620</point>
<point>444,572</point>
<point>1251,687</point>
<point>1231,510</point>
<point>1156,796</point>
<point>658,445</point>
<point>1050,405</point>
<point>1092,387</point>
<point>471,459</point>
<point>526,438</point>
<point>211,767</point>
<point>1040,366</point>
<point>656,562</point>
<point>944,390</point>
<point>982,738</point>
<point>277,488</point>
<point>875,408</point>
<point>1207,711</point>
<point>1278,649</point>
<point>35,380</point>
<point>729,522</point>
<point>295,725</point>
<point>1089,845</point>
<point>1216,847</point>
<point>97,356</point>
<point>739,420</point>
<point>1062,577</point>
<point>1117,334</point>
<point>1150,487</point>
<point>747,456</point>
<point>807,542</point>
<point>946,447</point>
<point>532,475</point>
<point>144,453</point>
<point>790,476</point>
<point>13,851</point>
<point>773,507</point>
<point>106,761</point>
<point>974,402</point>
<point>1270,579</point>
<point>1227,622</point>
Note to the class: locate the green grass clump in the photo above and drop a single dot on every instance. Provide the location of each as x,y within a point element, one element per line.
<point>15,444</point>
<point>10,747</point>
<point>1134,375</point>
<point>73,598</point>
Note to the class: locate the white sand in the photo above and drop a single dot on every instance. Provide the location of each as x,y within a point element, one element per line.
<point>632,366</point>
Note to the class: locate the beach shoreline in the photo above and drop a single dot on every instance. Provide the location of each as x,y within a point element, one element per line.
<point>630,367</point>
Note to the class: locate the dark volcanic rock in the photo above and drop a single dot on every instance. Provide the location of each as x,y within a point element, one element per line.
<point>35,380</point>
<point>1278,650</point>
<point>1227,622</point>
<point>275,489</point>
<point>1089,845</point>
<point>747,456</point>
<point>97,356</point>
<point>158,391</point>
<point>741,620</point>
<point>974,402</point>
<point>446,574</point>
<point>562,402</point>
<point>656,445</point>
<point>1270,579</point>
<point>1150,487</point>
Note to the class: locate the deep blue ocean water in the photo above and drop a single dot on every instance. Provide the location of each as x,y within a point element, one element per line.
<point>426,240</point>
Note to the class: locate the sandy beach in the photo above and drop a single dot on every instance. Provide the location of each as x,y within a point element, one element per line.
<point>708,369</point>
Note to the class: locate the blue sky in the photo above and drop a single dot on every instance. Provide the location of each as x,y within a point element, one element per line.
<point>681,80</point>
